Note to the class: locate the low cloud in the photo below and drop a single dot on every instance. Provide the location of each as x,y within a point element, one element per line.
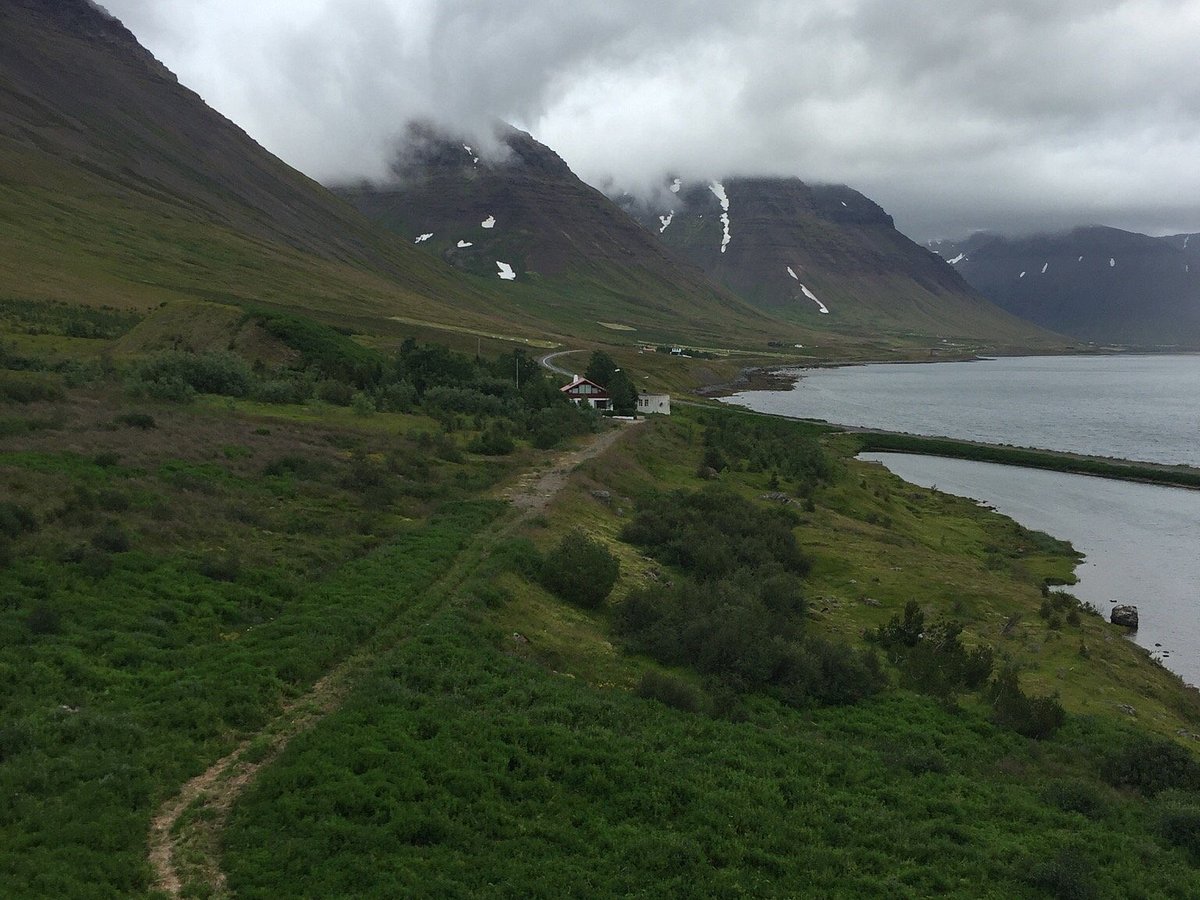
<point>953,114</point>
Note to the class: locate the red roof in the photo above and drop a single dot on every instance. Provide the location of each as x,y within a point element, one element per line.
<point>579,381</point>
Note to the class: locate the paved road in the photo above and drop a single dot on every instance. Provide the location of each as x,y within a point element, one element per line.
<point>548,362</point>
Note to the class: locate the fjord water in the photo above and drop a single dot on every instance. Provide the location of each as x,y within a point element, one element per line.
<point>1127,406</point>
<point>1141,540</point>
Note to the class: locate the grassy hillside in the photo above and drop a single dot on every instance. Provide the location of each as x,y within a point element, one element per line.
<point>180,568</point>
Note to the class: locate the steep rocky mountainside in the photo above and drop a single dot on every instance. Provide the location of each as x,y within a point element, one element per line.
<point>517,212</point>
<point>818,253</point>
<point>1094,283</point>
<point>120,185</point>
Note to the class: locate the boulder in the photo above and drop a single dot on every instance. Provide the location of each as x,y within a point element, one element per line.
<point>1124,615</point>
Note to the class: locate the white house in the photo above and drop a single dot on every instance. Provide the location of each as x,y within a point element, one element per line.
<point>654,403</point>
<point>582,391</point>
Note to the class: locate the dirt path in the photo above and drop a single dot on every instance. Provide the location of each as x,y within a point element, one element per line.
<point>533,491</point>
<point>185,831</point>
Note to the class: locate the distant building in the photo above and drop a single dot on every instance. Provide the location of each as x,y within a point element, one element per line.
<point>581,391</point>
<point>654,403</point>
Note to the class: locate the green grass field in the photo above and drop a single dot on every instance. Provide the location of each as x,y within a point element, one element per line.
<point>176,575</point>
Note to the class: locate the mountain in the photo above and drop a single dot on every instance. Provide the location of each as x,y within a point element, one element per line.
<point>516,211</point>
<point>819,254</point>
<point>1094,283</point>
<point>118,185</point>
<point>121,187</point>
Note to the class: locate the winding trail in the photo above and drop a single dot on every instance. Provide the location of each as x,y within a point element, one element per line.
<point>185,831</point>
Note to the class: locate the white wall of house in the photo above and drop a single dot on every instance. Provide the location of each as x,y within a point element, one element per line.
<point>654,403</point>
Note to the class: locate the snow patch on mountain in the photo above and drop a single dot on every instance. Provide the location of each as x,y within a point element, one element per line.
<point>718,190</point>
<point>462,244</point>
<point>471,153</point>
<point>506,271</point>
<point>957,259</point>
<point>1111,262</point>
<point>1022,275</point>
<point>1045,266</point>
<point>676,185</point>
<point>422,238</point>
<point>813,297</point>
<point>1081,259</point>
<point>489,222</point>
<point>665,221</point>
<point>793,274</point>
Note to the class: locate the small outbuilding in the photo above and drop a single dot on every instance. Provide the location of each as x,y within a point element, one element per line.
<point>582,391</point>
<point>659,404</point>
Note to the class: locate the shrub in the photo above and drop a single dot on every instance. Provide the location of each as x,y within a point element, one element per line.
<point>220,566</point>
<point>1077,796</point>
<point>282,390</point>
<point>43,619</point>
<point>495,441</point>
<point>398,397</point>
<point>580,569</point>
<point>1068,875</point>
<point>16,520</point>
<point>175,375</point>
<point>667,689</point>
<point>139,420</point>
<point>29,388</point>
<point>337,393</point>
<point>1033,717</point>
<point>111,538</point>
<point>112,501</point>
<point>295,466</point>
<point>1151,765</point>
<point>931,658</point>
<point>1178,821</point>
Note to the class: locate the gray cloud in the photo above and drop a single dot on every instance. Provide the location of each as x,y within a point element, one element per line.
<point>953,114</point>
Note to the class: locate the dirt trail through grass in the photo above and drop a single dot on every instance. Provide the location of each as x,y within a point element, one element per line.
<point>185,831</point>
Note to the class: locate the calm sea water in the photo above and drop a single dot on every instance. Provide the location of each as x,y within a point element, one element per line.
<point>1142,542</point>
<point>1133,407</point>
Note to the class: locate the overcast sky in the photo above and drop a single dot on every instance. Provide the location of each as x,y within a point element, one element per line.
<point>954,115</point>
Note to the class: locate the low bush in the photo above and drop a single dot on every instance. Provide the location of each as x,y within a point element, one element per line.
<point>174,375</point>
<point>715,532</point>
<point>224,566</point>
<point>139,420</point>
<point>336,393</point>
<point>1177,821</point>
<point>16,520</point>
<point>931,658</point>
<point>1077,796</point>
<point>1068,875</point>
<point>580,570</point>
<point>29,388</point>
<point>1033,717</point>
<point>1151,765</point>
<point>672,691</point>
<point>293,465</point>
<point>282,390</point>
<point>493,441</point>
<point>111,538</point>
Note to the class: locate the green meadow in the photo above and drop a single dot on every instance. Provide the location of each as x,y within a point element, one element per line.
<point>726,659</point>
